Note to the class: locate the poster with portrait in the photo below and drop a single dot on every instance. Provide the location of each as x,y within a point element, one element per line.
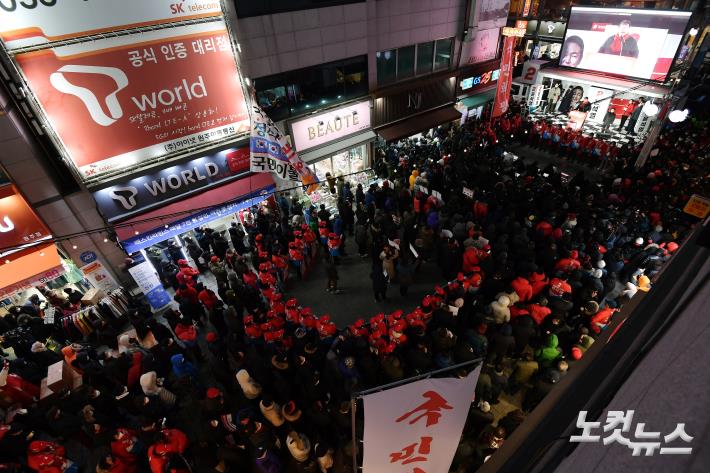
<point>492,13</point>
<point>482,47</point>
<point>573,94</point>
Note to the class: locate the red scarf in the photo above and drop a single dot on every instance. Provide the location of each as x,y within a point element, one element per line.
<point>618,43</point>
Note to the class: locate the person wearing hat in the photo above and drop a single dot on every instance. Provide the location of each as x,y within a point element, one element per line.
<point>219,269</point>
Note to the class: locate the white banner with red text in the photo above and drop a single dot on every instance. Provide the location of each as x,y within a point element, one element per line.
<point>416,427</point>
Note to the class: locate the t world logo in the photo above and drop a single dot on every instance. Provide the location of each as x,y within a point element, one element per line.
<point>185,91</point>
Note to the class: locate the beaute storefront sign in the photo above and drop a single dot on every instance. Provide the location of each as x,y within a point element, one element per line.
<point>325,127</point>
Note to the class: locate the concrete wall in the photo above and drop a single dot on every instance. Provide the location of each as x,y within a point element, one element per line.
<point>271,44</point>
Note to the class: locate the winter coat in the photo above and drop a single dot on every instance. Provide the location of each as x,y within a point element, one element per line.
<point>523,288</point>
<point>150,387</point>
<point>501,310</point>
<point>272,414</point>
<point>548,354</point>
<point>538,281</point>
<point>249,386</point>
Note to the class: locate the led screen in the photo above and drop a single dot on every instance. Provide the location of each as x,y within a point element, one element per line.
<point>628,42</point>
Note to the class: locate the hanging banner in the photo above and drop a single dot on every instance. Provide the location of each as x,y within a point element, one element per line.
<point>417,427</point>
<point>271,152</point>
<point>99,277</point>
<point>500,106</point>
<point>117,103</point>
<point>149,283</point>
<point>26,23</point>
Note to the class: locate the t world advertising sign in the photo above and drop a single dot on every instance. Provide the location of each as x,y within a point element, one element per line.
<point>123,102</point>
<point>160,187</point>
<point>325,127</point>
<point>26,23</point>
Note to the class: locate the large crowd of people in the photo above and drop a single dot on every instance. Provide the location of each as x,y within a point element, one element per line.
<point>240,377</point>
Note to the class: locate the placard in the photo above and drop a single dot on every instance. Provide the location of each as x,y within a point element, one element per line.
<point>697,206</point>
<point>149,283</point>
<point>99,277</point>
<point>120,102</point>
<point>468,192</point>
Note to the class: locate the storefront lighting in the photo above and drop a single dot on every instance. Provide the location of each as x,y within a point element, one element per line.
<point>693,31</point>
<point>74,247</point>
<point>166,225</point>
<point>136,232</point>
<point>247,81</point>
<point>105,240</point>
<point>239,47</point>
<point>41,253</point>
<point>7,261</point>
<point>677,116</point>
<point>650,109</point>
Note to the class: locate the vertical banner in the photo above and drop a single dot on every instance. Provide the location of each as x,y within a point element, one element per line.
<point>271,152</point>
<point>417,427</point>
<point>500,106</point>
<point>149,283</point>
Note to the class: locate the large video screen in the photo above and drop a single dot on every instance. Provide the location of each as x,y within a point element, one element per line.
<point>628,42</point>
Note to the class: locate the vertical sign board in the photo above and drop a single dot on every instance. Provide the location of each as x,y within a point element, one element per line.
<point>116,103</point>
<point>25,23</point>
<point>417,425</point>
<point>500,106</point>
<point>149,283</point>
<point>99,277</point>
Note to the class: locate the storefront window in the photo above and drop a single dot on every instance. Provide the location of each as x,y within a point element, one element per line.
<point>425,55</point>
<point>323,167</point>
<point>386,66</point>
<point>295,92</point>
<point>442,60</point>
<point>345,163</point>
<point>405,62</point>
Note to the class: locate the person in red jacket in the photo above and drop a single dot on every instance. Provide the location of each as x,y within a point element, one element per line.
<point>47,457</point>
<point>558,287</point>
<point>600,320</point>
<point>568,264</point>
<point>187,274</point>
<point>173,442</point>
<point>538,282</point>
<point>539,311</point>
<point>523,288</point>
<point>123,447</point>
<point>188,293</point>
<point>207,297</point>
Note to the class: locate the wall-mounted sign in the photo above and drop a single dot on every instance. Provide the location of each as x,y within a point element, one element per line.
<point>99,277</point>
<point>517,32</point>
<point>521,24</point>
<point>28,23</point>
<point>125,101</point>
<point>492,13</point>
<point>19,225</point>
<point>87,257</point>
<point>482,47</point>
<point>552,29</point>
<point>480,80</point>
<point>422,97</point>
<point>160,187</point>
<point>149,283</point>
<point>332,125</point>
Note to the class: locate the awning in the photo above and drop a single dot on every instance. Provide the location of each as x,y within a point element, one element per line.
<point>159,225</point>
<point>338,145</point>
<point>416,124</point>
<point>480,98</point>
<point>28,268</point>
<point>613,83</point>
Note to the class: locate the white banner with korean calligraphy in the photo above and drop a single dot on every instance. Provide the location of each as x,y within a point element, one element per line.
<point>416,428</point>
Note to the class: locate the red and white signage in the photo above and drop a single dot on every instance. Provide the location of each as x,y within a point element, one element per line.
<point>530,70</point>
<point>417,427</point>
<point>121,102</point>
<point>19,225</point>
<point>32,22</point>
<point>500,106</point>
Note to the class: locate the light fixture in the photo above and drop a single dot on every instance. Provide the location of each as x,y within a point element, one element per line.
<point>693,31</point>
<point>41,253</point>
<point>247,81</point>
<point>136,232</point>
<point>650,109</point>
<point>105,240</point>
<point>7,261</point>
<point>677,116</point>
<point>239,47</point>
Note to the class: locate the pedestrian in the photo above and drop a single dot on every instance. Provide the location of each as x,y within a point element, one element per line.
<point>379,281</point>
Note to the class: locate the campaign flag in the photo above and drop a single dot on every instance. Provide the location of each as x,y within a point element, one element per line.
<point>500,106</point>
<point>271,152</point>
<point>417,426</point>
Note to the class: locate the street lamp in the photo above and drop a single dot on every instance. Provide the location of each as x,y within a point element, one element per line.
<point>677,116</point>
<point>650,109</point>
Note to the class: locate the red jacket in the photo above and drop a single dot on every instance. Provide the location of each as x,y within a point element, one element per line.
<point>559,287</point>
<point>187,275</point>
<point>539,313</point>
<point>46,457</point>
<point>538,281</point>
<point>567,265</point>
<point>601,319</point>
<point>523,288</point>
<point>189,293</point>
<point>186,332</point>
<point>208,298</point>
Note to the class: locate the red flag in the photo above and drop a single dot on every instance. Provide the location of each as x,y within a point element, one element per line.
<point>500,106</point>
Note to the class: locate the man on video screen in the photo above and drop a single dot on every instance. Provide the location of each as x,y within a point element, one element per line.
<point>622,43</point>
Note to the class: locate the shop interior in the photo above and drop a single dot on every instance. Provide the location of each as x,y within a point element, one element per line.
<point>542,49</point>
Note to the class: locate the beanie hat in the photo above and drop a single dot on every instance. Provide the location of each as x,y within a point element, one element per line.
<point>213,393</point>
<point>638,241</point>
<point>211,337</point>
<point>597,273</point>
<point>601,264</point>
<point>214,259</point>
<point>484,406</point>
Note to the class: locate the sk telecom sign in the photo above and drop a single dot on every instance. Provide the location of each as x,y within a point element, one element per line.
<point>122,102</point>
<point>26,23</point>
<point>160,187</point>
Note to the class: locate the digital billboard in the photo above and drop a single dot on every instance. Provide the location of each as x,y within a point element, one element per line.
<point>628,42</point>
<point>26,23</point>
<point>117,103</point>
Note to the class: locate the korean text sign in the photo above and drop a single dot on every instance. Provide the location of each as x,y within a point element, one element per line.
<point>417,427</point>
<point>32,22</point>
<point>120,102</point>
<point>19,225</point>
<point>500,106</point>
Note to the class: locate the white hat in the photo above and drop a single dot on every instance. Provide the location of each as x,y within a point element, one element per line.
<point>639,241</point>
<point>484,406</point>
<point>597,273</point>
<point>601,264</point>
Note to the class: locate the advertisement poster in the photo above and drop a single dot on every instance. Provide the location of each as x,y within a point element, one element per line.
<point>99,277</point>
<point>631,42</point>
<point>149,283</point>
<point>117,103</point>
<point>419,422</point>
<point>482,47</point>
<point>492,13</point>
<point>500,106</point>
<point>26,23</point>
